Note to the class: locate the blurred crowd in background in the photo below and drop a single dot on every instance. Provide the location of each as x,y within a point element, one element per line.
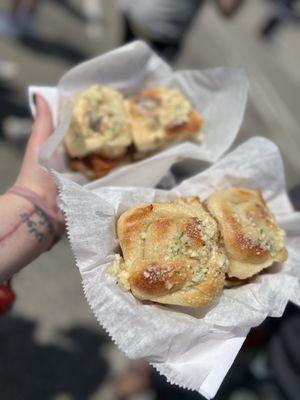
<point>50,345</point>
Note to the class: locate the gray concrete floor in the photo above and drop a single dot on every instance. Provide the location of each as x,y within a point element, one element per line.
<point>272,67</point>
<point>54,348</point>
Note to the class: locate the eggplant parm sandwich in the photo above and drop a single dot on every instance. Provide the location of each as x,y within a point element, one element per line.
<point>108,130</point>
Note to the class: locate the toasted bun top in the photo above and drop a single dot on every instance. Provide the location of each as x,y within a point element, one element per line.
<point>252,239</point>
<point>172,253</point>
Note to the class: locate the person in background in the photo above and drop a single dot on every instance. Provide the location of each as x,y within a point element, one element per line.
<point>20,17</point>
<point>164,23</point>
<point>285,13</point>
<point>31,222</point>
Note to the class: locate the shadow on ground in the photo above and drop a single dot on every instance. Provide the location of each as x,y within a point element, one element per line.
<point>31,370</point>
<point>53,47</point>
<point>71,8</point>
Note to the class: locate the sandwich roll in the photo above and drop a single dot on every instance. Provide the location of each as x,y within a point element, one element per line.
<point>253,241</point>
<point>172,254</point>
<point>161,116</point>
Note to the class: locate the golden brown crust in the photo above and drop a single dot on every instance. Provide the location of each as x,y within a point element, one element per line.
<point>151,277</point>
<point>172,253</point>
<point>161,116</point>
<point>252,239</point>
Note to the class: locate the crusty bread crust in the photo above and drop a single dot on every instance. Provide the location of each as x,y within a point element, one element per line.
<point>172,253</point>
<point>252,239</point>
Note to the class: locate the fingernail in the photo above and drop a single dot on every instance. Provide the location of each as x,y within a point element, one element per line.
<point>34,98</point>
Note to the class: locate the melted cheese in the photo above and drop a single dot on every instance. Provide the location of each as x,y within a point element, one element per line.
<point>175,110</point>
<point>99,124</point>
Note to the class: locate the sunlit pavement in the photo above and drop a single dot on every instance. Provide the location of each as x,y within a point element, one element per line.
<point>51,322</point>
<point>273,69</point>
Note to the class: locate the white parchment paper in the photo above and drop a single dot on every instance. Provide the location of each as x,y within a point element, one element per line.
<point>192,348</point>
<point>218,94</point>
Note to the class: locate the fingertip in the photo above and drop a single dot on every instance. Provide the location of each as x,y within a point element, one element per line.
<point>40,103</point>
<point>43,112</point>
<point>42,126</point>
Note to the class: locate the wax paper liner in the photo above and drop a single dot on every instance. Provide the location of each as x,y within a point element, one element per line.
<point>193,348</point>
<point>218,94</point>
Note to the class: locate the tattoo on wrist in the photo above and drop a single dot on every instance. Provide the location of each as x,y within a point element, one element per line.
<point>39,228</point>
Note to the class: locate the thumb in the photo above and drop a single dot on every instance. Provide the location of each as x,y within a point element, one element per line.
<point>42,127</point>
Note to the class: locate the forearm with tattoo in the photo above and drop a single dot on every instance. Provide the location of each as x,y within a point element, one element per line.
<point>39,229</point>
<point>25,233</point>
